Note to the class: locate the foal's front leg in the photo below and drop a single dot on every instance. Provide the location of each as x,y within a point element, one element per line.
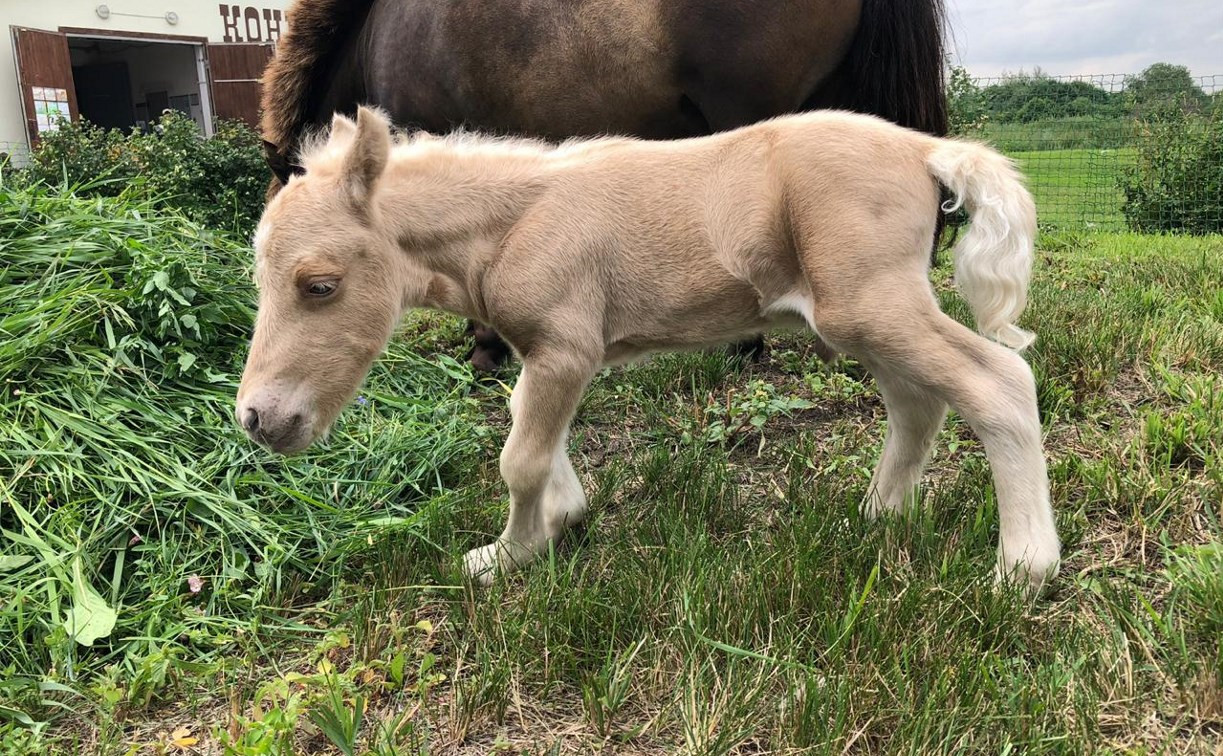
<point>914,418</point>
<point>545,496</point>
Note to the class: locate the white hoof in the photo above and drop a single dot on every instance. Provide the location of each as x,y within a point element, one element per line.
<point>481,565</point>
<point>875,506</point>
<point>1034,571</point>
<point>500,557</point>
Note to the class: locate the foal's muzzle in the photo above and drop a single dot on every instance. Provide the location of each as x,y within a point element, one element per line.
<point>272,421</point>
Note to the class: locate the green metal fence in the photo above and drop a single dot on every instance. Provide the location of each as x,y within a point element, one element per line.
<point>1114,152</point>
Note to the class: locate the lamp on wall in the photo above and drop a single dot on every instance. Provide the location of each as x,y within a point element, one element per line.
<point>104,12</point>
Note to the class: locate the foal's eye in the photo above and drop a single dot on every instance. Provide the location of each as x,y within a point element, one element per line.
<point>320,288</point>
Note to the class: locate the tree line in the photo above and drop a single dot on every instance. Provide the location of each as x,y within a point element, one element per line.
<point>1036,96</point>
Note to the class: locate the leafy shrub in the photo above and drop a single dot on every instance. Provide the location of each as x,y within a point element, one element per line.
<point>219,181</point>
<point>965,103</point>
<point>1035,109</point>
<point>1162,87</point>
<point>1010,99</point>
<point>81,153</point>
<point>1176,183</point>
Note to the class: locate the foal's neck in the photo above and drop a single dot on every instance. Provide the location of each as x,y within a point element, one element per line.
<point>452,207</point>
<point>436,196</point>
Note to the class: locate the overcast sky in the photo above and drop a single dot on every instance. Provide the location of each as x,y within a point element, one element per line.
<point>1067,37</point>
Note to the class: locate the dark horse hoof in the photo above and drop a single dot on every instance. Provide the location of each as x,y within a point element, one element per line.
<point>751,350</point>
<point>486,361</point>
<point>490,352</point>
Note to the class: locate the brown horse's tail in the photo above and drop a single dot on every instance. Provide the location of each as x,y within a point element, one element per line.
<point>894,67</point>
<point>297,74</point>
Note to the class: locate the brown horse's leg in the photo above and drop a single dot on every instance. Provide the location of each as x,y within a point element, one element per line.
<point>751,349</point>
<point>490,351</point>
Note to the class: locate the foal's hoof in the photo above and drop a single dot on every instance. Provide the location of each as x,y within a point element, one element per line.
<point>874,507</point>
<point>481,564</point>
<point>1033,574</point>
<point>484,564</point>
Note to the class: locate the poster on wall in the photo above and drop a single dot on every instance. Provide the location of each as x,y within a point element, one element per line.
<point>50,105</point>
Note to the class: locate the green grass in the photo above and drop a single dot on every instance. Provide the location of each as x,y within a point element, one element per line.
<point>1077,188</point>
<point>726,596</point>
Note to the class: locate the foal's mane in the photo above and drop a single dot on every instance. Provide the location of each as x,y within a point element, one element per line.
<point>316,151</point>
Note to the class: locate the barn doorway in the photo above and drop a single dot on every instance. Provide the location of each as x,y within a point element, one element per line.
<point>124,83</point>
<point>128,78</point>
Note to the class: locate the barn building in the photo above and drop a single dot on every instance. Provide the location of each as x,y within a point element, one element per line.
<point>122,63</point>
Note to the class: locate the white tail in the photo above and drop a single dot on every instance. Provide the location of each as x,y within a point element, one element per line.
<point>993,261</point>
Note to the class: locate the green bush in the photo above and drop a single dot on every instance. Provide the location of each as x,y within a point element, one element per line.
<point>1177,182</point>
<point>965,103</point>
<point>1036,109</point>
<point>1022,98</point>
<point>219,181</point>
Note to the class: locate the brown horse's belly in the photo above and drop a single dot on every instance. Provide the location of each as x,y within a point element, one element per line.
<point>649,68</point>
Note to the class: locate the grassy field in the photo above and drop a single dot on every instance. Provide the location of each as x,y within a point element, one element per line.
<point>1073,165</point>
<point>1069,133</point>
<point>725,597</point>
<point>1077,188</point>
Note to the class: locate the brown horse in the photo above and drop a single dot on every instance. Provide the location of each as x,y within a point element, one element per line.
<point>598,252</point>
<point>554,69</point>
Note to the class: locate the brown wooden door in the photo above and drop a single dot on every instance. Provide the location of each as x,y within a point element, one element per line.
<point>235,71</point>
<point>44,70</point>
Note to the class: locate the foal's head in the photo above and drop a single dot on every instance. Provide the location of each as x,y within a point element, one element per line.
<point>332,286</point>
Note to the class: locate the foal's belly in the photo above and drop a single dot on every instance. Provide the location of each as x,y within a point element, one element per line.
<point>695,312</point>
<point>637,347</point>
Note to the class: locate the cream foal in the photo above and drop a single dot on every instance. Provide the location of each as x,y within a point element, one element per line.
<point>598,252</point>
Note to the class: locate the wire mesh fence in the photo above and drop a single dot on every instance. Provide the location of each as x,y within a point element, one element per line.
<point>1113,152</point>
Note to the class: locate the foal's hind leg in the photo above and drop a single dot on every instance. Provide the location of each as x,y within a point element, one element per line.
<point>914,418</point>
<point>564,501</point>
<point>545,496</point>
<point>993,389</point>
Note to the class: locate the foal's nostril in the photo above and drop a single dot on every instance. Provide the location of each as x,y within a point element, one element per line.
<point>250,421</point>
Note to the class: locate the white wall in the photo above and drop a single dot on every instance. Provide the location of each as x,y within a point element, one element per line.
<point>197,18</point>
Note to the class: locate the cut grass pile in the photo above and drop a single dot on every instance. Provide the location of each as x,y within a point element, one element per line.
<point>138,532</point>
<point>726,596</point>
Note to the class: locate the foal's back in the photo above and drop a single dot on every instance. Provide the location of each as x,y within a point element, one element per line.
<point>692,242</point>
<point>738,191</point>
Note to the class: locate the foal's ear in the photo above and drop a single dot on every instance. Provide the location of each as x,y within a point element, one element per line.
<point>342,130</point>
<point>369,154</point>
